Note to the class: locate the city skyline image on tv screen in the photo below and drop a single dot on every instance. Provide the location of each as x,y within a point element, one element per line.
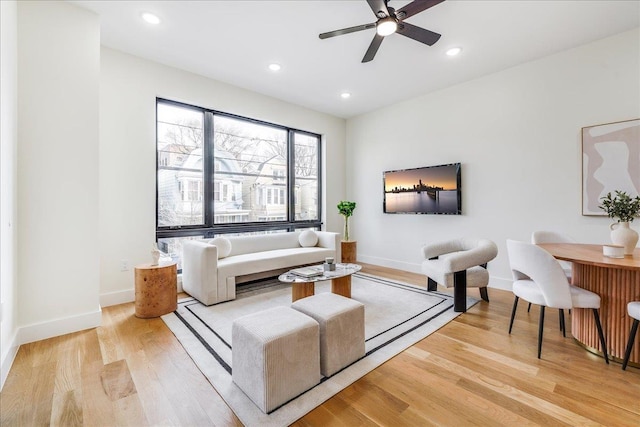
<point>424,190</point>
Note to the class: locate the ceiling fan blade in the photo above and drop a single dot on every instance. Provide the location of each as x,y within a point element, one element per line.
<point>373,48</point>
<point>347,30</point>
<point>418,34</point>
<point>414,7</point>
<point>378,6</point>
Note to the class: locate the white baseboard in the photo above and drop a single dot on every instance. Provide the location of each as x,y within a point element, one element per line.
<point>127,295</point>
<point>7,359</point>
<point>494,282</point>
<point>391,263</point>
<point>54,328</point>
<point>500,283</point>
<point>118,297</point>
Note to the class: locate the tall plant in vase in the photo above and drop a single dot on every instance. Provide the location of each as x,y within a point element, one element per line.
<point>625,208</point>
<point>346,208</point>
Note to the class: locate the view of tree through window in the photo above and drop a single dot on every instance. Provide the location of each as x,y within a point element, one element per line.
<point>306,168</point>
<point>180,168</point>
<point>252,169</point>
<point>221,174</point>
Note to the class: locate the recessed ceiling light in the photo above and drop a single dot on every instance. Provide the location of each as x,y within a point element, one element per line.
<point>274,67</point>
<point>345,95</point>
<point>150,18</point>
<point>454,51</point>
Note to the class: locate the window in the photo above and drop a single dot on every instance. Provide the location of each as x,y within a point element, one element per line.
<point>180,172</point>
<point>218,173</point>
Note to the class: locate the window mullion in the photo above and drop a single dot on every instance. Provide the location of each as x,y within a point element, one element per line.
<point>291,179</point>
<point>208,171</point>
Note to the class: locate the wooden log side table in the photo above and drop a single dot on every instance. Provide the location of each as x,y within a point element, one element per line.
<point>348,250</point>
<point>156,290</point>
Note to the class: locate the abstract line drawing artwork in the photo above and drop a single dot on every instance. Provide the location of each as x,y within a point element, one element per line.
<point>610,162</point>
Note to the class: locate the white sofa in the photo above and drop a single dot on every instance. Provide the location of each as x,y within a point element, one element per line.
<point>210,267</point>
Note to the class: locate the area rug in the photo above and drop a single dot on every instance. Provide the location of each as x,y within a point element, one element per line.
<point>397,315</point>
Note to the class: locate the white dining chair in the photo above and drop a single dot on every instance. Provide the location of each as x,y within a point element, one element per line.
<point>543,236</point>
<point>633,309</point>
<point>539,279</point>
<point>538,237</point>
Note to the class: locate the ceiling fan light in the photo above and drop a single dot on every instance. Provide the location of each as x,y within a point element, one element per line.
<point>386,26</point>
<point>454,51</point>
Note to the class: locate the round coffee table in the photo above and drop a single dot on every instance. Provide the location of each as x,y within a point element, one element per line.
<point>302,287</point>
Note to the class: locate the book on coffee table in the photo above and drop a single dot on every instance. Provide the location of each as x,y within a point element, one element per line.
<point>307,272</point>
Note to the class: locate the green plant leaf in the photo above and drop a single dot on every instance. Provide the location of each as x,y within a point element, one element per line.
<point>621,206</point>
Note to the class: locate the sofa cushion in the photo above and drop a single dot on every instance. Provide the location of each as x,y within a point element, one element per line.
<point>241,245</point>
<point>223,244</point>
<point>308,238</point>
<point>239,265</point>
<point>477,277</point>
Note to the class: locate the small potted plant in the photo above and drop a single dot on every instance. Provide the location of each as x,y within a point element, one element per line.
<point>625,208</point>
<point>346,208</point>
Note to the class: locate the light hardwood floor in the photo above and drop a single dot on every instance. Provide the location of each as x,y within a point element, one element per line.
<point>134,372</point>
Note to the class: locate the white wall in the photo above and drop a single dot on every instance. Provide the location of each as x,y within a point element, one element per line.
<point>58,245</point>
<point>517,135</point>
<point>128,89</point>
<point>8,184</point>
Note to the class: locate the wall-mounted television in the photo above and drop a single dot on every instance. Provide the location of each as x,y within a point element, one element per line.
<point>425,190</point>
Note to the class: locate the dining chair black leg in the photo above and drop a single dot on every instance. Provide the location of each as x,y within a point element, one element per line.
<point>562,325</point>
<point>632,338</point>
<point>484,294</point>
<point>540,326</point>
<point>513,312</point>
<point>603,343</point>
<point>529,308</point>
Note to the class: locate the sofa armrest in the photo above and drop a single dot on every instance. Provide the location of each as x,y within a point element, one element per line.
<point>330,240</point>
<point>463,260</point>
<point>459,257</point>
<point>434,250</point>
<point>200,270</point>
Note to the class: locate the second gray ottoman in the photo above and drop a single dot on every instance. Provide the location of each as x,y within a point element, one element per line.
<point>275,356</point>
<point>341,322</point>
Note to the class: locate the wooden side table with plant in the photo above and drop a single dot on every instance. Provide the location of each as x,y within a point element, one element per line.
<point>348,247</point>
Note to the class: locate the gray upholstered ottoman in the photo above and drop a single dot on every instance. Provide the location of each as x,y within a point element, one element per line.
<point>341,329</point>
<point>275,356</point>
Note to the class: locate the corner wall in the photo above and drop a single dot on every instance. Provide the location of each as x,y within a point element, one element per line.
<point>517,134</point>
<point>58,245</point>
<point>128,89</point>
<point>8,186</point>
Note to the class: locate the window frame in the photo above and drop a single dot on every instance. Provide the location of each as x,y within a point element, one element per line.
<point>209,228</point>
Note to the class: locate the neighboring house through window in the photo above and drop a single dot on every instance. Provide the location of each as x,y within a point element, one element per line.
<point>222,174</point>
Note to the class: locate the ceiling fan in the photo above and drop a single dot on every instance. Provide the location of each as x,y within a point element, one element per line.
<point>392,21</point>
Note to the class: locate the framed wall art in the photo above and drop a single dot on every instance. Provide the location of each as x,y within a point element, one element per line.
<point>610,161</point>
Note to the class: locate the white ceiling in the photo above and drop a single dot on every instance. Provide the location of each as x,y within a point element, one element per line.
<point>234,41</point>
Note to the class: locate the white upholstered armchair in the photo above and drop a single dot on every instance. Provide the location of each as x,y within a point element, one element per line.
<point>459,263</point>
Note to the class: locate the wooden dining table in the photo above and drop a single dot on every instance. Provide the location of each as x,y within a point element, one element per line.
<point>617,281</point>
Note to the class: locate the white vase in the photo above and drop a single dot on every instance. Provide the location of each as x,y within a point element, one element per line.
<point>155,254</point>
<point>622,235</point>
